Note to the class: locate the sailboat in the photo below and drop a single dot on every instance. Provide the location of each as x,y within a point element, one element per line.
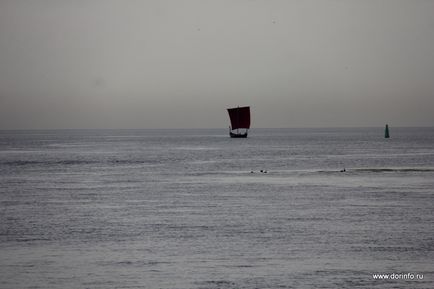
<point>240,119</point>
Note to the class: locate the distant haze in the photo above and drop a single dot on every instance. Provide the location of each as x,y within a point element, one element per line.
<point>180,64</point>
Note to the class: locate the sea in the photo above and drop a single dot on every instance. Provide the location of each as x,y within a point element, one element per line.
<point>193,208</point>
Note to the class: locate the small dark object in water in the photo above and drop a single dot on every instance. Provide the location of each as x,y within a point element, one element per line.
<point>386,132</point>
<point>343,170</point>
<point>261,171</point>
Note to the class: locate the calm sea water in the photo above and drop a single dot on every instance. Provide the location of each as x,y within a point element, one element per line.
<point>191,209</point>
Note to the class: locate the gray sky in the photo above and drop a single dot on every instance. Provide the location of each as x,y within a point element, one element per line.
<point>181,63</point>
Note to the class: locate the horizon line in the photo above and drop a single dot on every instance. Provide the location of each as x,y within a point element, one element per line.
<point>215,128</point>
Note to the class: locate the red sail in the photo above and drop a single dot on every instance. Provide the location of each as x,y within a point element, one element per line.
<point>240,117</point>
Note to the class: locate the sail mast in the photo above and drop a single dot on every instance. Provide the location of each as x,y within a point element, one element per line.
<point>238,118</point>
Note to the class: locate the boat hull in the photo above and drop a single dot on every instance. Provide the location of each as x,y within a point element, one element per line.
<point>238,135</point>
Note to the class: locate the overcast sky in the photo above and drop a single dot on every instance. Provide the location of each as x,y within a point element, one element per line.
<point>181,63</point>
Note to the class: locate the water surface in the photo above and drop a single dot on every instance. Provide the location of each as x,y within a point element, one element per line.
<point>191,209</point>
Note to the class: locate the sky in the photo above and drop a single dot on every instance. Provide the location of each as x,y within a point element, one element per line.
<point>181,63</point>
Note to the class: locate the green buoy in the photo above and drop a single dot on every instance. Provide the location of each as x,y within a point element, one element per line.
<point>386,131</point>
